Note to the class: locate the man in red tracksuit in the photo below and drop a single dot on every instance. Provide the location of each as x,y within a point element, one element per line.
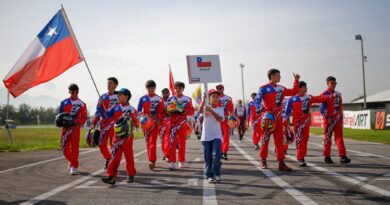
<point>179,107</point>
<point>332,113</point>
<point>254,120</point>
<point>164,129</point>
<point>227,104</point>
<point>123,144</point>
<point>153,106</point>
<point>70,138</point>
<point>240,112</point>
<point>300,105</point>
<point>106,101</point>
<point>269,100</point>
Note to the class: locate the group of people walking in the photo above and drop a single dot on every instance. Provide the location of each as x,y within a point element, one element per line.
<point>166,117</point>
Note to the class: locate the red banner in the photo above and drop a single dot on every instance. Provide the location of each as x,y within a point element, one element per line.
<point>316,119</point>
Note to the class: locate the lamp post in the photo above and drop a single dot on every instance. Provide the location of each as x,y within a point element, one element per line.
<point>242,82</point>
<point>364,58</point>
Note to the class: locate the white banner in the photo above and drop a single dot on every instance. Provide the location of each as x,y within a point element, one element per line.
<point>204,69</point>
<point>357,119</point>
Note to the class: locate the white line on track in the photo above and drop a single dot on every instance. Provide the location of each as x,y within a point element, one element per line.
<point>354,151</point>
<point>209,195</point>
<point>42,162</point>
<point>45,161</point>
<point>350,180</point>
<point>299,196</point>
<point>69,185</point>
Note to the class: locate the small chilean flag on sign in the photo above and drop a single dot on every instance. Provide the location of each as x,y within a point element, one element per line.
<point>202,64</point>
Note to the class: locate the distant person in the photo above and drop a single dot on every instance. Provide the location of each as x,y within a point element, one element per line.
<point>332,113</point>
<point>125,118</point>
<point>164,129</point>
<point>105,102</point>
<point>269,100</point>
<point>212,136</point>
<point>152,105</point>
<point>179,107</point>
<point>76,111</point>
<point>254,120</point>
<point>299,107</point>
<point>240,112</point>
<point>227,104</point>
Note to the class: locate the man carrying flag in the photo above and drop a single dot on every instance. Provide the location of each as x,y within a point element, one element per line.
<point>105,102</point>
<point>51,53</point>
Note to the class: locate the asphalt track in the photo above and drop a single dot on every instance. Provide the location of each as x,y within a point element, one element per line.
<point>40,177</point>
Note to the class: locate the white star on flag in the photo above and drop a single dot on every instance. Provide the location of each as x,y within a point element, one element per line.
<point>52,31</point>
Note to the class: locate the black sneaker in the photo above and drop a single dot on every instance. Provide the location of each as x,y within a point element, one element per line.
<point>257,147</point>
<point>224,156</point>
<point>130,179</point>
<point>106,163</point>
<point>302,162</point>
<point>109,180</point>
<point>345,160</point>
<point>328,160</point>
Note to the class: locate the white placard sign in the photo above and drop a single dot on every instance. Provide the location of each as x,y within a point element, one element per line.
<point>204,69</point>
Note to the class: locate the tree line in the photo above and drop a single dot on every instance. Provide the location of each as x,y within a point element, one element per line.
<point>27,115</point>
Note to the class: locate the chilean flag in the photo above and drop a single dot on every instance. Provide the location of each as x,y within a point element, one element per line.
<point>51,53</point>
<point>202,64</point>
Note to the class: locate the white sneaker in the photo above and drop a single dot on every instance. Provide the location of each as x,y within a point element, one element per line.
<point>171,165</point>
<point>239,141</point>
<point>217,178</point>
<point>181,165</point>
<point>210,180</point>
<point>73,171</point>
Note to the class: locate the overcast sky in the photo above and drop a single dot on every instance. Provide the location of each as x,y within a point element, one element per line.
<point>136,40</point>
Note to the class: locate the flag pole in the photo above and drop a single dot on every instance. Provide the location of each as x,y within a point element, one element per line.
<point>7,122</point>
<point>78,46</point>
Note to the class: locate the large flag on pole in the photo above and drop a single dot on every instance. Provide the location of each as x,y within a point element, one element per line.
<point>171,81</point>
<point>197,95</point>
<point>53,51</point>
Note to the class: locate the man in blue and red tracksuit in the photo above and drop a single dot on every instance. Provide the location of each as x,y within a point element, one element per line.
<point>254,120</point>
<point>227,104</point>
<point>178,124</point>
<point>124,144</point>
<point>164,129</point>
<point>153,106</point>
<point>332,113</point>
<point>269,99</point>
<point>299,105</point>
<point>70,138</point>
<point>106,101</point>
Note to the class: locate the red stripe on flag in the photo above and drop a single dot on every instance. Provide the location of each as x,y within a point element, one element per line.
<point>204,64</point>
<point>56,60</point>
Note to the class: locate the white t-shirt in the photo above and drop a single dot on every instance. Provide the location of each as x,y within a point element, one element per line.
<point>212,130</point>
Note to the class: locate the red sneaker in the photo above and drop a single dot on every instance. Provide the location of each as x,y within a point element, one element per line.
<point>284,167</point>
